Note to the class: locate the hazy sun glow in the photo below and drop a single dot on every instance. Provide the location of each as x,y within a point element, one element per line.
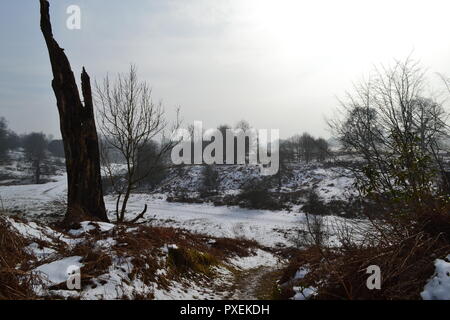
<point>346,29</point>
<point>266,61</point>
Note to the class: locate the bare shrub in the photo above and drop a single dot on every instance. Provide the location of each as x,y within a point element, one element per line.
<point>256,194</point>
<point>404,249</point>
<point>315,205</point>
<point>210,181</point>
<point>397,128</point>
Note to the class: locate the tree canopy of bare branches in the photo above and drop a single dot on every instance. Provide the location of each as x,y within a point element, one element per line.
<point>35,147</point>
<point>129,121</point>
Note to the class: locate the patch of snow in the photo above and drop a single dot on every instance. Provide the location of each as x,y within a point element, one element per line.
<point>301,273</point>
<point>261,258</point>
<point>264,226</point>
<point>166,248</point>
<point>34,199</point>
<point>87,226</point>
<point>58,271</point>
<point>32,230</point>
<point>106,243</point>
<point>116,284</point>
<point>39,252</point>
<point>438,287</point>
<point>178,291</point>
<point>304,293</point>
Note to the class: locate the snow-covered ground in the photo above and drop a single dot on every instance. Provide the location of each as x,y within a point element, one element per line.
<point>274,229</point>
<point>438,287</point>
<point>269,228</point>
<point>333,183</point>
<point>266,227</point>
<point>34,201</point>
<point>56,266</point>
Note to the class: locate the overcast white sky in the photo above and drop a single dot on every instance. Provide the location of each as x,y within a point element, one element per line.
<point>277,63</point>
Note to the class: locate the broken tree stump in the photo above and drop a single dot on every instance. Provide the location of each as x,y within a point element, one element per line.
<point>79,133</point>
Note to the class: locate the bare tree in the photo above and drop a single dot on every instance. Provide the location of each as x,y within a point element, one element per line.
<point>223,130</point>
<point>323,149</point>
<point>3,139</point>
<point>78,130</point>
<point>397,131</point>
<point>243,125</point>
<point>35,147</point>
<point>129,121</point>
<point>210,177</point>
<point>294,143</point>
<point>307,145</point>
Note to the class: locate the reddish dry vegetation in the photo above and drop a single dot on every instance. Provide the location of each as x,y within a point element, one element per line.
<point>404,247</point>
<point>15,283</point>
<point>191,258</point>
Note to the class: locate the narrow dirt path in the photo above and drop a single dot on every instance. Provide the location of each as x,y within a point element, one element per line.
<point>254,284</point>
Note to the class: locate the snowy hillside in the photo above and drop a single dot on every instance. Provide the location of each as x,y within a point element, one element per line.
<point>331,181</point>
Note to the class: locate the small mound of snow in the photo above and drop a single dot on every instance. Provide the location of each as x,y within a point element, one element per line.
<point>31,230</point>
<point>117,283</point>
<point>39,251</point>
<point>166,248</point>
<point>58,271</point>
<point>301,273</point>
<point>87,226</point>
<point>304,293</point>
<point>438,287</point>
<point>106,243</point>
<point>260,259</point>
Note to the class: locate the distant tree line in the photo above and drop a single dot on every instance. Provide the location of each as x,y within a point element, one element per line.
<point>298,148</point>
<point>304,148</point>
<point>36,146</point>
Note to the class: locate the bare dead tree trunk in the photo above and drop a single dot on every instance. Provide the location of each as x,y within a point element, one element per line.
<point>79,133</point>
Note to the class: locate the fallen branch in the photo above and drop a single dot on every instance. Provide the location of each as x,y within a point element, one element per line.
<point>141,215</point>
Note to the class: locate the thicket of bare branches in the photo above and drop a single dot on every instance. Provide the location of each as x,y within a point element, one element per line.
<point>397,128</point>
<point>399,131</point>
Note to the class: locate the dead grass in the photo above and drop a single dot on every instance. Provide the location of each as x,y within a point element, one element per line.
<point>183,260</point>
<point>192,257</point>
<point>95,261</point>
<point>16,282</point>
<point>226,246</point>
<point>404,247</point>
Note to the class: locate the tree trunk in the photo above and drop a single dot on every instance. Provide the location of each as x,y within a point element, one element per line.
<point>37,164</point>
<point>79,133</point>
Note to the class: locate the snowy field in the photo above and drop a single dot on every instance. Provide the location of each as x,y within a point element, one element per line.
<point>269,228</point>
